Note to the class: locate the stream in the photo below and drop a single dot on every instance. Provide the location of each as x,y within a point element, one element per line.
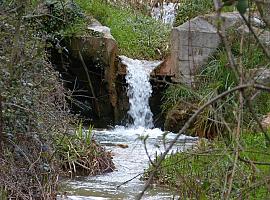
<point>131,161</point>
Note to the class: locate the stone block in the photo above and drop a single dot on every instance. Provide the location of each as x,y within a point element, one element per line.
<point>191,45</point>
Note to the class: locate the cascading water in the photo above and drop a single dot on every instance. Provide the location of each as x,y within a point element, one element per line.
<point>165,12</point>
<point>130,162</point>
<point>139,90</point>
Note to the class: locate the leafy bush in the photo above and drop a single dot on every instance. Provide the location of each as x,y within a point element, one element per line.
<point>34,113</point>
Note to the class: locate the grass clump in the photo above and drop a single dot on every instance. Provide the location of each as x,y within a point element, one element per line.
<point>138,35</point>
<point>189,9</point>
<point>204,172</point>
<point>79,154</point>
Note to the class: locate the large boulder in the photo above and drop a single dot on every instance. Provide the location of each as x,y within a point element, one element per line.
<point>91,67</point>
<point>191,45</point>
<point>229,19</point>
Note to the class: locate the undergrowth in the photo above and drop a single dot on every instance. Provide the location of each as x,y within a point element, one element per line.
<point>189,9</point>
<point>35,119</point>
<point>79,154</point>
<point>202,172</point>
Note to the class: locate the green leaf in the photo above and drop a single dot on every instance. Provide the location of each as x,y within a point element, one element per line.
<point>242,6</point>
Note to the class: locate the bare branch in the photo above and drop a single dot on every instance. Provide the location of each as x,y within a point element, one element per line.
<point>253,162</point>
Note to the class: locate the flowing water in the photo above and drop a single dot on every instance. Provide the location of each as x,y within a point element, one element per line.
<point>165,12</point>
<point>139,90</point>
<point>132,161</point>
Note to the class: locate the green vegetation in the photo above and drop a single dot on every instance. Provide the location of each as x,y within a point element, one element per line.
<point>234,163</point>
<point>189,9</point>
<point>192,8</point>
<point>139,36</point>
<point>78,153</point>
<point>204,172</point>
<point>215,78</point>
<point>35,120</point>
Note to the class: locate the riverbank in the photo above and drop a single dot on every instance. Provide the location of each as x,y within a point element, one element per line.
<point>209,171</point>
<point>39,136</point>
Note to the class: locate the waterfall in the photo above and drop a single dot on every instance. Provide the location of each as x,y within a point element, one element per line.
<point>139,90</point>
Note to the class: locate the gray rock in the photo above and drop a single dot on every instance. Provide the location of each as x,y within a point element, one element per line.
<point>98,27</point>
<point>263,35</point>
<point>230,19</point>
<point>191,45</point>
<point>264,9</point>
<point>262,75</point>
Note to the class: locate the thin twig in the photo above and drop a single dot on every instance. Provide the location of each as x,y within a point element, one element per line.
<point>146,151</point>
<point>90,83</point>
<point>118,186</point>
<point>254,162</point>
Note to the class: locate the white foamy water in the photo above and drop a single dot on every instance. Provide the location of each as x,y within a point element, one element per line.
<point>129,162</point>
<point>165,12</point>
<point>139,90</point>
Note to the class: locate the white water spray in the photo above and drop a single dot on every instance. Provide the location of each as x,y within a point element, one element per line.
<point>139,90</point>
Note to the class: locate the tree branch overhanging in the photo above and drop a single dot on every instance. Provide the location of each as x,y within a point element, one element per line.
<point>190,121</point>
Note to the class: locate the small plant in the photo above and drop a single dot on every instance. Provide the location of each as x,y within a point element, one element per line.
<point>192,8</point>
<point>189,9</point>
